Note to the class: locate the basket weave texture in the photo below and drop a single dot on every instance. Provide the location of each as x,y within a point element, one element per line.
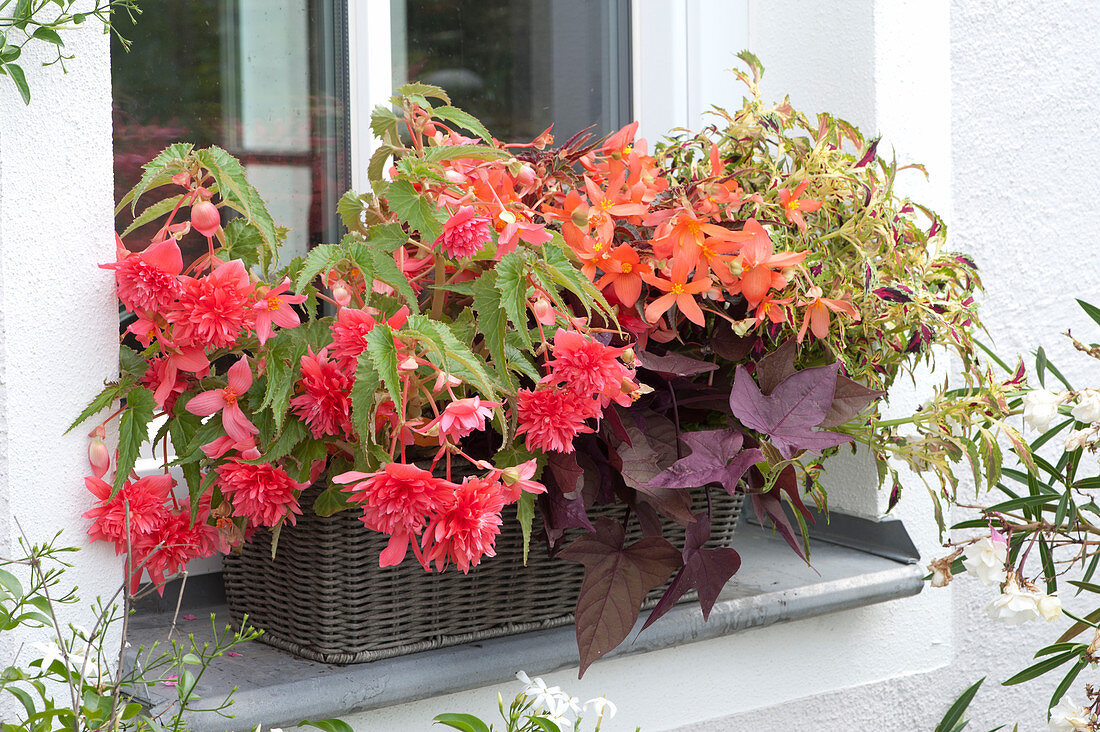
<point>324,597</point>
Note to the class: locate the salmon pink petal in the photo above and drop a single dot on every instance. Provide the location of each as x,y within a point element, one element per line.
<point>190,359</point>
<point>691,309</point>
<point>263,326</point>
<point>628,290</point>
<point>206,403</point>
<point>240,376</point>
<point>395,551</point>
<point>98,487</point>
<point>351,477</point>
<point>236,424</point>
<point>755,284</point>
<point>285,317</point>
<point>657,308</point>
<point>164,255</point>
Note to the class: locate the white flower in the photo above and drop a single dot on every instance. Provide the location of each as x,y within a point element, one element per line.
<point>542,696</point>
<point>1088,406</point>
<point>566,704</point>
<point>602,706</point>
<point>986,559</point>
<point>1080,438</point>
<point>565,724</point>
<point>1049,607</point>
<point>50,653</point>
<point>1068,717</point>
<point>1040,408</point>
<point>1014,606</point>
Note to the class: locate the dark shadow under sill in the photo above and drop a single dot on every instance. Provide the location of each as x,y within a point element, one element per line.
<point>856,562</point>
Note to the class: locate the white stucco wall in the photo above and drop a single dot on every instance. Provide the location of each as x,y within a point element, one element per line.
<point>58,324</point>
<point>1000,102</point>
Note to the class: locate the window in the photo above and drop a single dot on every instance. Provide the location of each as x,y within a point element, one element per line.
<point>265,79</point>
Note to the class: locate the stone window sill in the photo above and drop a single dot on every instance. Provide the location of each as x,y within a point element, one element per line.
<point>856,562</point>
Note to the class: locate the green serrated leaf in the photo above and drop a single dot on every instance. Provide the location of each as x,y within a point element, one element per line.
<point>320,259</point>
<point>158,172</point>
<point>378,163</point>
<point>492,323</point>
<point>454,356</point>
<point>133,431</point>
<point>330,501</point>
<point>383,356</point>
<point>103,400</point>
<point>366,384</point>
<point>383,121</point>
<point>440,153</point>
<point>292,434</point>
<point>385,269</point>
<point>420,89</point>
<point>350,208</point>
<point>416,210</point>
<point>154,212</point>
<point>463,119</point>
<point>511,281</point>
<point>237,192</point>
<point>243,241</point>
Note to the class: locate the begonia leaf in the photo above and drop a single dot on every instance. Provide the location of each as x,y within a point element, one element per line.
<point>616,581</point>
<point>133,431</point>
<point>705,570</point>
<point>849,399</point>
<point>790,413</point>
<point>716,457</point>
<point>674,363</point>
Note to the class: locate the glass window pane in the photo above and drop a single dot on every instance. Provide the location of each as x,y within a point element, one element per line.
<point>520,65</point>
<point>265,79</point>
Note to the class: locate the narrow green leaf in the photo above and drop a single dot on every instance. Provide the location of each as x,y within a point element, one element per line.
<point>1064,684</point>
<point>383,355</point>
<point>525,514</point>
<point>1091,310</point>
<point>133,431</point>
<point>1041,365</point>
<point>416,210</point>
<point>1040,668</point>
<point>103,400</point>
<point>463,119</point>
<point>441,153</point>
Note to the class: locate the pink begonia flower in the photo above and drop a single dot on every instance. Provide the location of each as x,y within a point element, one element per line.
<point>274,307</point>
<point>465,233</point>
<point>246,448</point>
<point>461,417</point>
<point>166,372</point>
<point>517,479</point>
<point>148,280</point>
<point>224,400</point>
<point>513,228</point>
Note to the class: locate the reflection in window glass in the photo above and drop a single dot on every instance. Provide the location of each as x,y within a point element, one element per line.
<point>520,65</point>
<point>265,79</point>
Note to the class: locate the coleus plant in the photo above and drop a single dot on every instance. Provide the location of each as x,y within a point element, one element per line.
<point>523,324</point>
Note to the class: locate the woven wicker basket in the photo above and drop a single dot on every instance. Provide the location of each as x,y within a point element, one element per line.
<point>324,597</point>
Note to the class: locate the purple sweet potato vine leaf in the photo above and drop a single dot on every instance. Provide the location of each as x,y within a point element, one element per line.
<point>616,581</point>
<point>716,457</point>
<point>790,413</point>
<point>705,570</point>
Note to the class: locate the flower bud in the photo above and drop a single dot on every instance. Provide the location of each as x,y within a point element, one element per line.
<point>341,293</point>
<point>526,175</point>
<point>579,217</point>
<point>205,218</point>
<point>544,312</point>
<point>628,356</point>
<point>735,267</point>
<point>99,457</point>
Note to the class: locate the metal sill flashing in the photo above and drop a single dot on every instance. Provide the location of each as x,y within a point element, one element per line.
<point>856,562</point>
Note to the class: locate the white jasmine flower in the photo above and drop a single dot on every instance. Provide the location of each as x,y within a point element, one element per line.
<point>1068,717</point>
<point>565,724</point>
<point>602,706</point>
<point>1088,406</point>
<point>1014,606</point>
<point>1040,408</point>
<point>1049,607</point>
<point>50,653</point>
<point>542,696</point>
<point>986,559</point>
<point>566,704</point>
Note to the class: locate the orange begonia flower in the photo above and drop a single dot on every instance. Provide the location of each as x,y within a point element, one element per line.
<point>683,240</point>
<point>624,274</point>
<point>817,312</point>
<point>758,265</point>
<point>793,206</point>
<point>679,292</point>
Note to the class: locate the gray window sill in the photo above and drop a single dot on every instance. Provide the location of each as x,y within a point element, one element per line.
<point>855,563</point>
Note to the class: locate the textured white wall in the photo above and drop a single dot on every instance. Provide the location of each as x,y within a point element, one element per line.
<point>58,324</point>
